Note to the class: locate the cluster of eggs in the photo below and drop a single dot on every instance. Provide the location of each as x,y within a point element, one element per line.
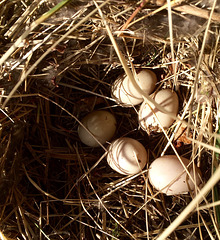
<point>168,174</point>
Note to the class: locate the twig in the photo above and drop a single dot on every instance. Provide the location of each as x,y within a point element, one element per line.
<point>172,4</point>
<point>137,10</point>
<point>203,13</point>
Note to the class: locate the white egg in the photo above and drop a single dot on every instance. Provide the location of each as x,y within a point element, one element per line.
<point>126,94</point>
<point>127,156</point>
<point>101,124</point>
<point>167,175</point>
<point>146,117</point>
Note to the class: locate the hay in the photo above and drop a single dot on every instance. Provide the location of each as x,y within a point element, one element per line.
<point>57,64</point>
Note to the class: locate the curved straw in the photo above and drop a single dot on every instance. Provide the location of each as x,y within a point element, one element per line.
<point>31,28</point>
<point>193,204</point>
<point>48,50</point>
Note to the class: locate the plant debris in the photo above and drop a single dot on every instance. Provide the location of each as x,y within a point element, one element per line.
<point>58,62</point>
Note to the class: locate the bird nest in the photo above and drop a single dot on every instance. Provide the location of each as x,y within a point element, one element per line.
<point>59,60</point>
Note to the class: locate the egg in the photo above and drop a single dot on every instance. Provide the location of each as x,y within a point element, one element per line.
<point>167,175</point>
<point>124,92</point>
<point>146,115</point>
<point>127,156</point>
<point>101,124</point>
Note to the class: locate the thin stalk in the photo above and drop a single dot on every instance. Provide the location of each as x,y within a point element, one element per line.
<point>185,213</point>
<point>31,28</point>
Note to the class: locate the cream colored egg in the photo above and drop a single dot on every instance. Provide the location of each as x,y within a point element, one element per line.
<point>126,94</point>
<point>101,125</point>
<point>127,156</point>
<point>168,175</point>
<point>148,114</point>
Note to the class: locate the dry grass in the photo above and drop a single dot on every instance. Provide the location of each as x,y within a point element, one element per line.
<point>57,64</point>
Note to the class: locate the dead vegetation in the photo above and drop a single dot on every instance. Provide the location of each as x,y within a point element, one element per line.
<point>57,64</point>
